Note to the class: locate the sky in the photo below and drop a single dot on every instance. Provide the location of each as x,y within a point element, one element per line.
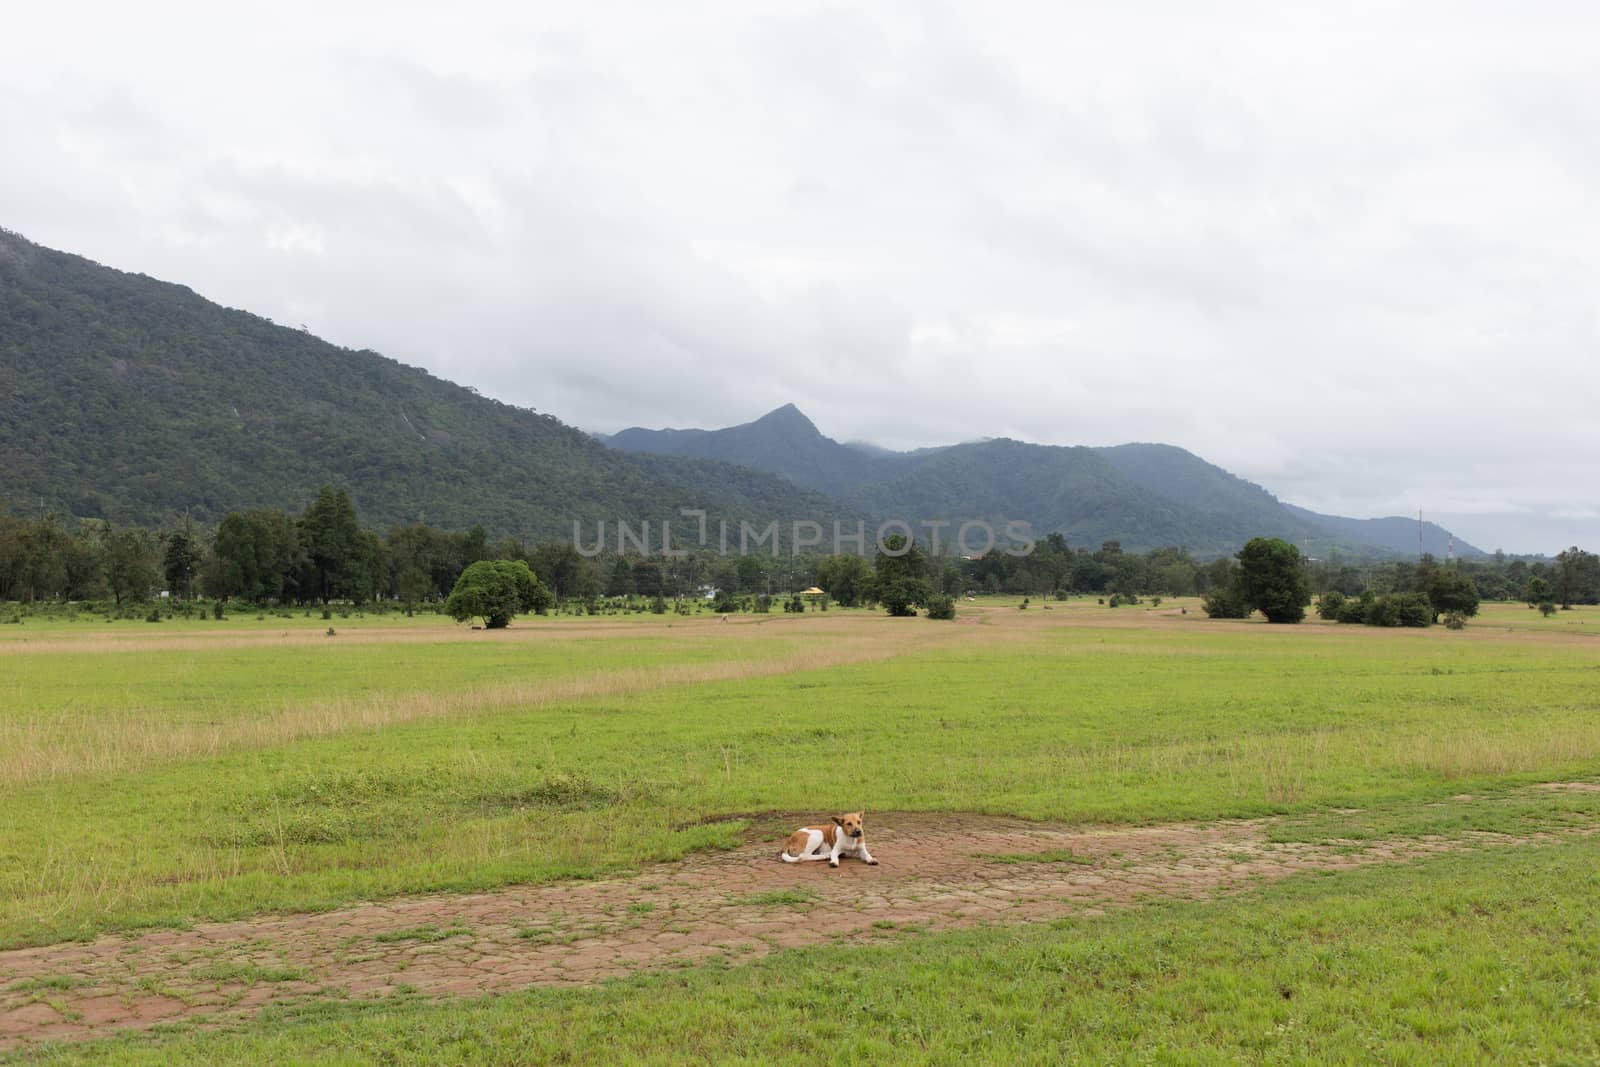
<point>1348,251</point>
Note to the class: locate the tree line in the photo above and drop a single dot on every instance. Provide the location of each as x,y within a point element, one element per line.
<point>326,554</point>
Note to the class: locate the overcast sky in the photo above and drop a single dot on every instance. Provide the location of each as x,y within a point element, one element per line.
<point>1350,253</point>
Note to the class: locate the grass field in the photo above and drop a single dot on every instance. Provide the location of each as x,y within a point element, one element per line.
<point>165,774</point>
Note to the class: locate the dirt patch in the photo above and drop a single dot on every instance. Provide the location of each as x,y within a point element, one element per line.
<point>937,871</point>
<point>1572,787</point>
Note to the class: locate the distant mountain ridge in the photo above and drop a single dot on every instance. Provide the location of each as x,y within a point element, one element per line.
<point>1144,495</point>
<point>136,400</point>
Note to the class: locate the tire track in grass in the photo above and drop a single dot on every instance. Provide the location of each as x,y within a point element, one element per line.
<point>937,871</point>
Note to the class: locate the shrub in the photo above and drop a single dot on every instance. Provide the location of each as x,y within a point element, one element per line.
<point>941,606</point>
<point>658,606</point>
<point>154,616</point>
<point>1354,609</point>
<point>1454,620</point>
<point>1416,609</point>
<point>1547,608</point>
<point>796,605</point>
<point>1400,609</point>
<point>1228,602</point>
<point>1329,605</point>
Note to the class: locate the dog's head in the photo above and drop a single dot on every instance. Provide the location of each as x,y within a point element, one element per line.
<point>850,824</point>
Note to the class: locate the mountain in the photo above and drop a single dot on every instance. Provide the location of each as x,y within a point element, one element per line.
<point>1395,534</point>
<point>782,442</point>
<point>1144,495</point>
<point>137,400</point>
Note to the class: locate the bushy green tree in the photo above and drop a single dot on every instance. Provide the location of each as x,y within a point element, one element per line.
<point>130,562</point>
<point>496,591</point>
<point>1273,580</point>
<point>941,606</point>
<point>845,577</point>
<point>1451,591</point>
<point>900,577</point>
<point>1577,577</point>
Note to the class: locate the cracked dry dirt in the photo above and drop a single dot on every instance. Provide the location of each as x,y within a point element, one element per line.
<point>937,872</point>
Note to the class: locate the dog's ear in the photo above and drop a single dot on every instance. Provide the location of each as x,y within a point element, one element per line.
<point>838,821</point>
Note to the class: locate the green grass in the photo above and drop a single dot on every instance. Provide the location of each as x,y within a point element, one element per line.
<point>778,898</point>
<point>227,972</point>
<point>1488,957</point>
<point>426,934</point>
<point>1053,716</point>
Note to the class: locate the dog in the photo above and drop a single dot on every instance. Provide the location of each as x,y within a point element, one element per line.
<point>846,837</point>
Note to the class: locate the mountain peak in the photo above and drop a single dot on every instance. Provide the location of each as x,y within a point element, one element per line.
<point>788,415</point>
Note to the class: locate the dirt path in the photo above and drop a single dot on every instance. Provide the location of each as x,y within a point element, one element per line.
<point>937,872</point>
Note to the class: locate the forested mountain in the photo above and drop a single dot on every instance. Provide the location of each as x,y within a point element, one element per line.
<point>136,400</point>
<point>128,398</point>
<point>783,442</point>
<point>1144,495</point>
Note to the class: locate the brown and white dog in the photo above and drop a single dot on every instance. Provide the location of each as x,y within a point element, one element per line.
<point>845,837</point>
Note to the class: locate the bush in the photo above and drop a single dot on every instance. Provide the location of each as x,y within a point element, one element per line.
<point>796,605</point>
<point>1329,605</point>
<point>154,616</point>
<point>216,609</point>
<point>941,606</point>
<point>1228,602</point>
<point>1354,610</point>
<point>1454,620</point>
<point>1400,609</point>
<point>1547,608</point>
<point>658,606</point>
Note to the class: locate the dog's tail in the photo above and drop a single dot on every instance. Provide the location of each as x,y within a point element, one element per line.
<point>785,857</point>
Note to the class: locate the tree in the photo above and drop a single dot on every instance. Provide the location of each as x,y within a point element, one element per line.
<point>845,577</point>
<point>130,561</point>
<point>1577,577</point>
<point>1273,580</point>
<point>900,578</point>
<point>495,591</point>
<point>332,537</point>
<point>620,583</point>
<point>645,577</point>
<point>1451,591</point>
<point>180,563</point>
